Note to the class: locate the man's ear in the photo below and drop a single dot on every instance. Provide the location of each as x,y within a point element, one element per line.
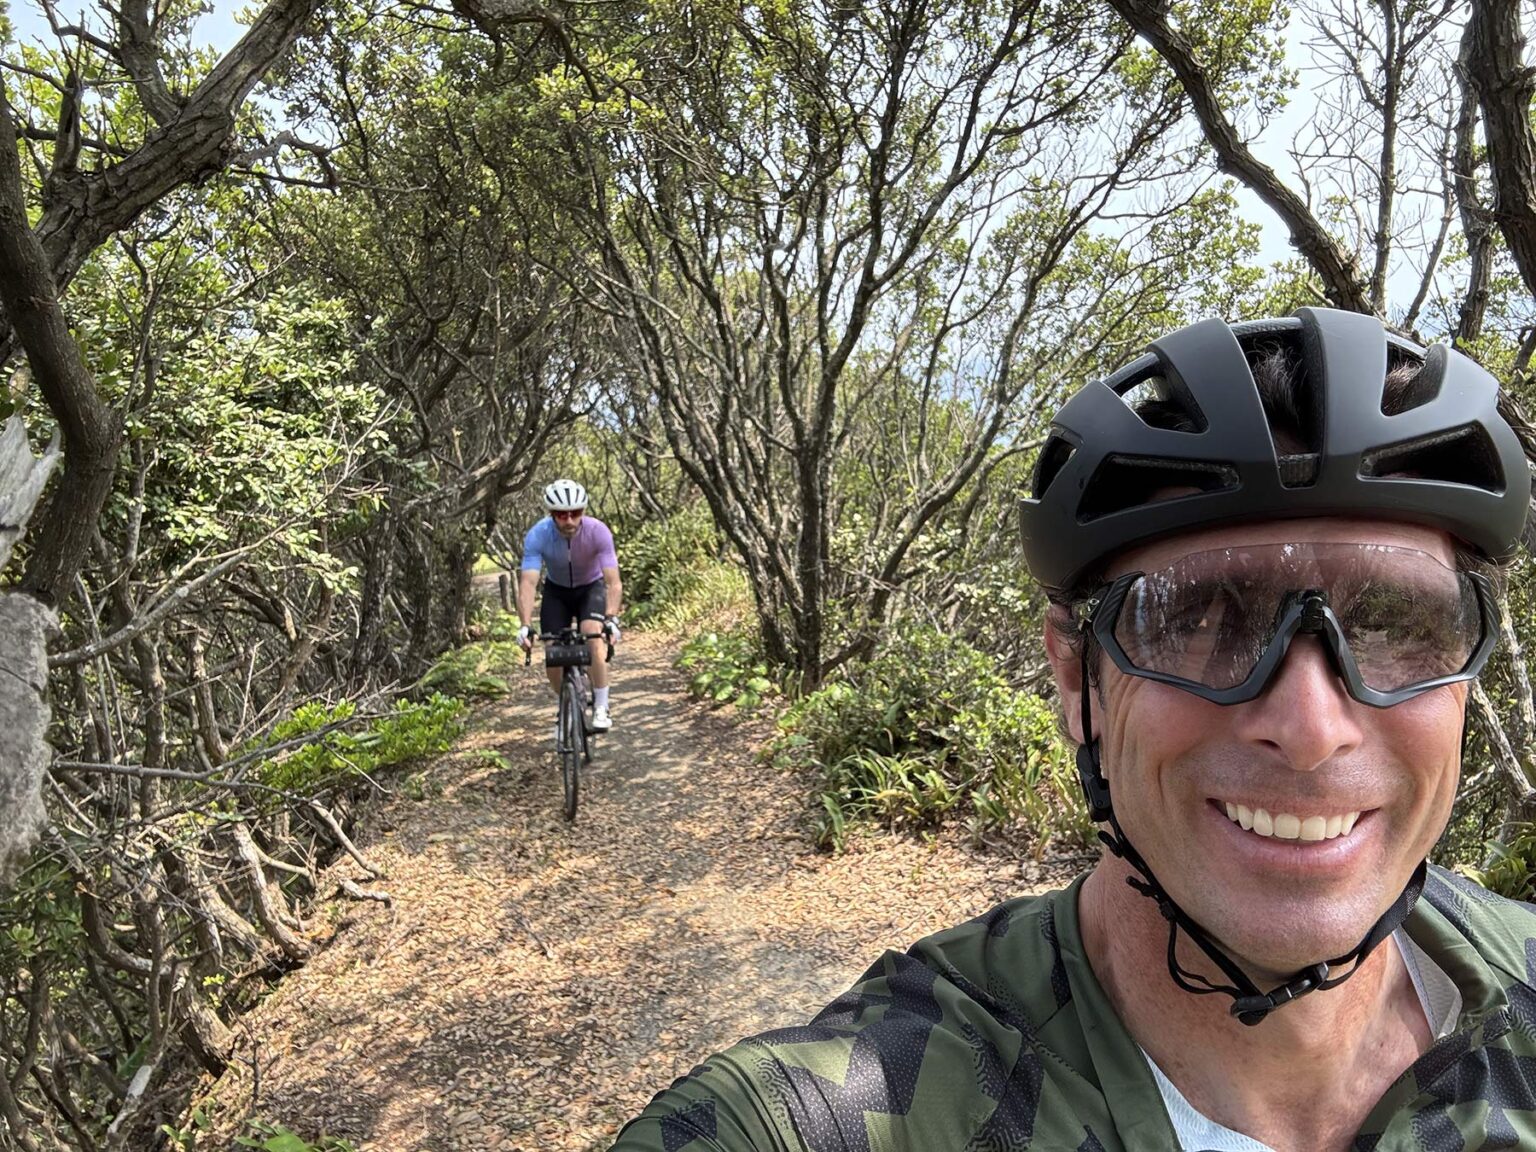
<point>1064,655</point>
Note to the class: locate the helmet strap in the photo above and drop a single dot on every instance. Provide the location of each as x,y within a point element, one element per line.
<point>1249,1004</point>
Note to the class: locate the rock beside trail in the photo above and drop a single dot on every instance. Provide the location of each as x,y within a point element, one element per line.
<point>25,626</point>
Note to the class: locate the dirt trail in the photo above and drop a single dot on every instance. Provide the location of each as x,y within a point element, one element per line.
<point>534,983</point>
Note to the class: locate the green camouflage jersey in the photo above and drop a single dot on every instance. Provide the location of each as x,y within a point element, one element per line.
<point>996,1036</point>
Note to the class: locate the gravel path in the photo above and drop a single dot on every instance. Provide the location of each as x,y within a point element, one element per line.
<point>534,983</point>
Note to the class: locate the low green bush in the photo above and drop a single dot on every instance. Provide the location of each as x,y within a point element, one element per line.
<point>1509,865</point>
<point>927,731</point>
<point>727,668</point>
<point>662,560</point>
<point>269,1137</point>
<point>260,1134</point>
<point>718,595</point>
<point>407,732</point>
<point>475,670</point>
<point>675,575</point>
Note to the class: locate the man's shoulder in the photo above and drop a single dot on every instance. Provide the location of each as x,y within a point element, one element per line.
<point>534,544</point>
<point>1487,944</point>
<point>1474,1088</point>
<point>937,1047</point>
<point>1028,919</point>
<point>1009,957</point>
<point>1502,932</point>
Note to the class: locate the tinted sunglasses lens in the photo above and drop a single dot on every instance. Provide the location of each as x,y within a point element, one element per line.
<point>1209,631</point>
<point>1413,631</point>
<point>573,515</point>
<point>1406,618</point>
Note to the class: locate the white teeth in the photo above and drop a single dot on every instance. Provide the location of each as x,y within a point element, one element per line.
<point>1286,826</point>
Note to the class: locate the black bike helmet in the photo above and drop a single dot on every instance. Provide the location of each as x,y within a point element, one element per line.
<point>1449,461</point>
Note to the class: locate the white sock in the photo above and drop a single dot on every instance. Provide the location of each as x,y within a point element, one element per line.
<point>600,698</point>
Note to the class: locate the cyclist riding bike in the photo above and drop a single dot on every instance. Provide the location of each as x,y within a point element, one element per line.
<point>1273,553</point>
<point>581,582</point>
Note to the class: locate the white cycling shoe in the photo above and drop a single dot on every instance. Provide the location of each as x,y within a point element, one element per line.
<point>600,720</point>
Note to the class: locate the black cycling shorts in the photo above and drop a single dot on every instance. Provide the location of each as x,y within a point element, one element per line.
<point>587,602</point>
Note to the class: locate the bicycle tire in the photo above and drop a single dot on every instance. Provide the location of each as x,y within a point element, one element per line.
<point>573,740</point>
<point>587,731</point>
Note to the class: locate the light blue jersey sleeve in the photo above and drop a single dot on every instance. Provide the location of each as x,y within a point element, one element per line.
<point>534,547</point>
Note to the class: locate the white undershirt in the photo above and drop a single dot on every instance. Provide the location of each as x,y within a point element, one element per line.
<point>1438,996</point>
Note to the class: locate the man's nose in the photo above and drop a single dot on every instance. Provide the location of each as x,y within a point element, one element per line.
<point>1305,712</point>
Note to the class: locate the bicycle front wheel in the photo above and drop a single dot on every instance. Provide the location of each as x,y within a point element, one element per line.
<point>573,740</point>
<point>587,730</point>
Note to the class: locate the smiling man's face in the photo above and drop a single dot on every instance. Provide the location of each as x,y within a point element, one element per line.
<point>1286,825</point>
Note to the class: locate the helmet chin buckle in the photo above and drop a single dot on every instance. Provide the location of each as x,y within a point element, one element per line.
<point>1252,1009</point>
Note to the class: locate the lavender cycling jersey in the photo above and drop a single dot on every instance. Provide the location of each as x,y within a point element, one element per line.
<point>574,562</point>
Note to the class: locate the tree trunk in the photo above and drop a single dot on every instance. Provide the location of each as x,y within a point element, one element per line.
<point>459,559</point>
<point>92,432</point>
<point>1505,85</point>
<point>416,566</point>
<point>378,571</point>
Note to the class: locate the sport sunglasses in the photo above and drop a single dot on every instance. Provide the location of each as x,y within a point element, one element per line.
<point>1395,622</point>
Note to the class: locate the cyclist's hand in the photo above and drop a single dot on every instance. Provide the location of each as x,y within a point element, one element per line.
<point>611,626</point>
<point>525,638</point>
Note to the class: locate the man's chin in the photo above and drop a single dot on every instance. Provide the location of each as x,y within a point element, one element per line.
<point>1277,942</point>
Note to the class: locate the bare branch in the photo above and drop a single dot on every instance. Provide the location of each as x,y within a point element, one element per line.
<point>1338,269</point>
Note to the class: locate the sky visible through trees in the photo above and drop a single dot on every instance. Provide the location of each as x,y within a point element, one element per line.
<point>314,304</point>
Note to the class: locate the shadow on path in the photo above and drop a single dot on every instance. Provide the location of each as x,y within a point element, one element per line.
<point>535,982</point>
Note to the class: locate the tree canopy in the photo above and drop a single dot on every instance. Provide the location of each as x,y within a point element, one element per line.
<point>794,285</point>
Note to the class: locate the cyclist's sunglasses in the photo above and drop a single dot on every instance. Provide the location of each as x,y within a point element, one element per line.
<point>573,514</point>
<point>1395,621</point>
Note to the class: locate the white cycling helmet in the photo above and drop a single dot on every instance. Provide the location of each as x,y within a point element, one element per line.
<point>565,496</point>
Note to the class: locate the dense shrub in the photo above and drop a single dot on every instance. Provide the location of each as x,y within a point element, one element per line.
<point>406,732</point>
<point>477,669</point>
<point>260,1134</point>
<point>727,668</point>
<point>1508,866</point>
<point>927,730</point>
<point>717,597</point>
<point>662,560</point>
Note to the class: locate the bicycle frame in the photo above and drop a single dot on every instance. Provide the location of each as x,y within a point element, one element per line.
<point>573,715</point>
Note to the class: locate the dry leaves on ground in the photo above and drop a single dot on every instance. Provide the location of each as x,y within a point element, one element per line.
<point>533,983</point>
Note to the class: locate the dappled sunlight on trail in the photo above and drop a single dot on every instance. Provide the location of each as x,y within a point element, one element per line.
<point>535,982</point>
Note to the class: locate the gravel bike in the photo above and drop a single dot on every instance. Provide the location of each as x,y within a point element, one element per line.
<point>568,651</point>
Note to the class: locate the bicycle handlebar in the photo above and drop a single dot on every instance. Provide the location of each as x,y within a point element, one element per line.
<point>569,637</point>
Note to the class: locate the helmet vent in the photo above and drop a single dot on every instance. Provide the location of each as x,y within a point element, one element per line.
<point>1123,482</point>
<point>1163,404</point>
<point>1407,386</point>
<point>1053,458</point>
<point>1462,455</point>
<point>1299,471</point>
